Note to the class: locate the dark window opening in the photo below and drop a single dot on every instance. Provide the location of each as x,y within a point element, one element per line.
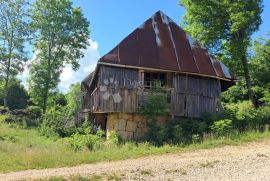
<point>153,78</point>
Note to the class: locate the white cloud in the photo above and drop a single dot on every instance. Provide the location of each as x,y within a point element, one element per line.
<point>87,65</point>
<point>69,76</point>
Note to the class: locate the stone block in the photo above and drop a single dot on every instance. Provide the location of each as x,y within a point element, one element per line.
<point>144,130</point>
<point>126,116</point>
<point>125,135</point>
<point>138,136</point>
<point>131,126</point>
<point>112,124</point>
<point>122,124</point>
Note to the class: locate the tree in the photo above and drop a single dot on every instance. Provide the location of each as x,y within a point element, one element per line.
<point>260,64</point>
<point>61,32</point>
<point>225,27</point>
<point>74,100</point>
<point>57,98</point>
<point>17,95</point>
<point>14,32</point>
<point>260,68</point>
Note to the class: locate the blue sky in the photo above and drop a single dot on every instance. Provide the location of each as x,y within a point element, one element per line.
<point>112,20</point>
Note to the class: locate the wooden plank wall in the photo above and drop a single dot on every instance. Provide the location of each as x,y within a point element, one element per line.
<point>192,96</point>
<point>121,75</point>
<point>128,104</point>
<point>124,78</point>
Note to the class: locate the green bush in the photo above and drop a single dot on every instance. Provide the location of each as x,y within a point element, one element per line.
<point>177,134</point>
<point>244,116</point>
<point>34,112</point>
<point>153,107</point>
<point>222,127</point>
<point>171,133</point>
<point>154,133</point>
<point>156,103</point>
<point>78,141</point>
<point>56,123</point>
<point>196,138</point>
<point>113,138</point>
<point>235,93</point>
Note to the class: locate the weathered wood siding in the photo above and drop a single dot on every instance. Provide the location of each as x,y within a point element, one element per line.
<point>192,96</point>
<point>189,96</point>
<point>123,76</point>
<point>121,81</point>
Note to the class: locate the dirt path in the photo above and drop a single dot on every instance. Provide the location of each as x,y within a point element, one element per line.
<point>246,162</point>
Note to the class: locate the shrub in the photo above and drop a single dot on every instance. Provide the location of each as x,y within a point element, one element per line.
<point>56,122</point>
<point>171,132</point>
<point>221,127</point>
<point>235,93</point>
<point>156,103</point>
<point>78,141</point>
<point>177,134</point>
<point>244,116</point>
<point>196,138</point>
<point>113,138</point>
<point>155,106</point>
<point>34,112</point>
<point>153,133</point>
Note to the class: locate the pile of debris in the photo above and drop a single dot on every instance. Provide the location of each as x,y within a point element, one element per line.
<point>16,112</point>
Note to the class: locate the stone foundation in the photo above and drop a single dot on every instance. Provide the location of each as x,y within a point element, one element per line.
<point>129,126</point>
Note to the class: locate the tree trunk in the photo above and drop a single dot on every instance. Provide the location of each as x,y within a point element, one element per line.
<point>7,80</point>
<point>6,93</point>
<point>45,97</point>
<point>251,94</point>
<point>46,92</point>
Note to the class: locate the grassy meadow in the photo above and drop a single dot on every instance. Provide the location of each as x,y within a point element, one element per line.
<point>22,149</point>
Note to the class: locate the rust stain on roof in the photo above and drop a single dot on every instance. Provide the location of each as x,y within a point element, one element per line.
<point>160,43</point>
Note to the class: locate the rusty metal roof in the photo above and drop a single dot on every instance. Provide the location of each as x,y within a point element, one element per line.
<point>159,43</point>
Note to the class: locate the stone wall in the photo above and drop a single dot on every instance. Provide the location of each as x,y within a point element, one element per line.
<point>129,126</point>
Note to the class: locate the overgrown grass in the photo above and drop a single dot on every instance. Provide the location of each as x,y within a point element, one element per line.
<point>22,149</point>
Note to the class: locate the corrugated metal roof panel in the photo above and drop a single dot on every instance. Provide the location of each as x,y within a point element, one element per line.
<point>160,43</point>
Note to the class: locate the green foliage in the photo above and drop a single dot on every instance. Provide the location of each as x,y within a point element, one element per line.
<point>156,103</point>
<point>113,138</point>
<point>17,96</point>
<point>14,33</point>
<point>260,64</point>
<point>216,23</point>
<point>56,123</point>
<point>153,133</point>
<point>155,106</point>
<point>226,30</point>
<point>34,112</point>
<point>74,99</point>
<point>172,133</point>
<point>235,93</point>
<point>222,127</point>
<point>244,116</point>
<point>40,152</point>
<point>196,138</point>
<point>78,141</point>
<point>61,35</point>
<point>57,98</point>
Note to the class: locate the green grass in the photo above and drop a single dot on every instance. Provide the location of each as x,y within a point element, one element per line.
<point>22,149</point>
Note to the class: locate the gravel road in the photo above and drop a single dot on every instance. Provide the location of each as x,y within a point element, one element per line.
<point>246,162</point>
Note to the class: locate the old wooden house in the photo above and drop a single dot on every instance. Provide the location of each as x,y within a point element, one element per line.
<point>157,50</point>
